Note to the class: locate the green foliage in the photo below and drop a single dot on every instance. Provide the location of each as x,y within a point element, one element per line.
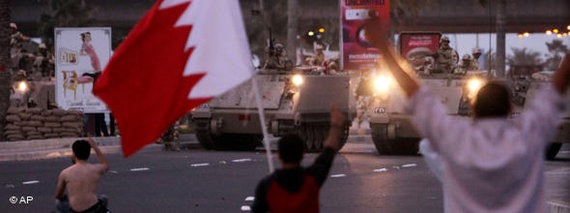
<point>556,50</point>
<point>65,13</point>
<point>524,56</point>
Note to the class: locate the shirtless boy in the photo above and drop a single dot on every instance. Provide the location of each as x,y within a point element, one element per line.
<point>81,179</point>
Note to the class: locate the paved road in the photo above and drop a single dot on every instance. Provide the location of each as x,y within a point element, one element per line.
<point>207,181</point>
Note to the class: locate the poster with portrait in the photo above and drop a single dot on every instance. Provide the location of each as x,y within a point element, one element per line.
<point>358,53</point>
<point>81,54</point>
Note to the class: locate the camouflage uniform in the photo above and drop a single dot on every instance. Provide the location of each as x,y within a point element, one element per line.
<point>466,64</point>
<point>277,59</point>
<point>476,54</point>
<point>170,138</point>
<point>363,97</point>
<point>446,58</point>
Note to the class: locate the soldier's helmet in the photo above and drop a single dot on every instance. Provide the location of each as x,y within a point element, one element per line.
<point>13,26</point>
<point>466,57</point>
<point>279,46</point>
<point>444,39</point>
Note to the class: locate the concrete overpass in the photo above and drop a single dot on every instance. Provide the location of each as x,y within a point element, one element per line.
<point>458,16</point>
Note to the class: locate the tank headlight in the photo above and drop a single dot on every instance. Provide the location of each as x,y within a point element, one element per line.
<point>23,86</point>
<point>297,80</point>
<point>474,85</point>
<point>382,84</point>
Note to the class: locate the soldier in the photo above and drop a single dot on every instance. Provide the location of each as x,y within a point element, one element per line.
<point>466,65</point>
<point>15,35</point>
<point>277,58</point>
<point>446,58</point>
<point>476,54</point>
<point>364,94</point>
<point>427,67</point>
<point>319,56</point>
<point>170,138</point>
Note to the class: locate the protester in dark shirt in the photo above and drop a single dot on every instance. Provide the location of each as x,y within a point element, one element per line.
<point>294,188</point>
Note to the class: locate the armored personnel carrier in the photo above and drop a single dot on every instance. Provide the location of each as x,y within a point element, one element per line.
<point>525,87</point>
<point>392,130</point>
<point>296,101</point>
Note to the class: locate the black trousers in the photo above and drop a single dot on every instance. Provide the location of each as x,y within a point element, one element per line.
<point>100,125</point>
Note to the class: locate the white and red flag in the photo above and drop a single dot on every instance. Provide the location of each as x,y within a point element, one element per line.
<point>181,54</point>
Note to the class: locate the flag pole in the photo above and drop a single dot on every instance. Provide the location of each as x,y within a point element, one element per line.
<point>263,124</point>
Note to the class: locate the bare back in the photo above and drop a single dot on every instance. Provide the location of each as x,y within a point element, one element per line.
<point>81,182</point>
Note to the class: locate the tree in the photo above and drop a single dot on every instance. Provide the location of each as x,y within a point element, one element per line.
<point>65,13</point>
<point>5,62</point>
<point>524,57</point>
<point>556,50</point>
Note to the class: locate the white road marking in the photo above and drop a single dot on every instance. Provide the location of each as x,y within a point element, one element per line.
<point>30,182</point>
<point>9,186</point>
<point>113,172</point>
<point>380,170</point>
<point>241,160</point>
<point>139,169</point>
<point>409,165</point>
<point>338,175</point>
<point>563,171</point>
<point>245,208</point>
<point>223,162</point>
<point>250,198</point>
<point>396,167</point>
<point>199,164</point>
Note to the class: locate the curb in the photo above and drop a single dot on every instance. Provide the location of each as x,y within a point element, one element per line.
<point>48,154</point>
<point>61,147</point>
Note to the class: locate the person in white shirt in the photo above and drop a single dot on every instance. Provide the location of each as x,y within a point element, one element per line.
<point>489,164</point>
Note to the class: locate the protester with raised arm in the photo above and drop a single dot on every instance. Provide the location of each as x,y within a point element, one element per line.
<point>490,164</point>
<point>81,180</point>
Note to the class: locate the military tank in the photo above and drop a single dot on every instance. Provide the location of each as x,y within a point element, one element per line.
<point>525,87</point>
<point>296,101</point>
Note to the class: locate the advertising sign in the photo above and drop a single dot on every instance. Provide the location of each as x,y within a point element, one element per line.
<point>81,54</point>
<point>414,46</point>
<point>357,51</point>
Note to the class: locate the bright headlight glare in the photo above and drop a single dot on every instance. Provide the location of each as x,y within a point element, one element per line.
<point>22,86</point>
<point>474,85</point>
<point>382,84</point>
<point>297,80</point>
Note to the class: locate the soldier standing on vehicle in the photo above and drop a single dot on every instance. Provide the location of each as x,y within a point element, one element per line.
<point>476,54</point>
<point>294,188</point>
<point>490,164</point>
<point>81,180</point>
<point>277,59</point>
<point>446,58</point>
<point>466,65</point>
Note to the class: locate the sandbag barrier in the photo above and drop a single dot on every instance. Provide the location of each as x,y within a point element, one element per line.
<point>37,123</point>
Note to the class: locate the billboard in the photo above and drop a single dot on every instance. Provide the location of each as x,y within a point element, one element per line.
<point>414,46</point>
<point>81,54</point>
<point>357,52</point>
